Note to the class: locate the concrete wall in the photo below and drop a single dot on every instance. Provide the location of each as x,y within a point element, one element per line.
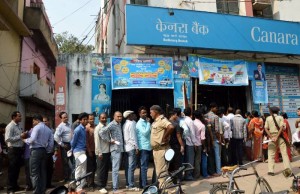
<point>78,98</point>
<point>286,10</point>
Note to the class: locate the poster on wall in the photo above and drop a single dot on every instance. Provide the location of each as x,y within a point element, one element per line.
<point>179,92</point>
<point>259,91</point>
<point>101,85</point>
<point>193,64</point>
<point>142,73</point>
<point>256,71</point>
<point>181,69</point>
<point>100,65</point>
<point>283,88</point>
<point>101,96</point>
<point>223,72</point>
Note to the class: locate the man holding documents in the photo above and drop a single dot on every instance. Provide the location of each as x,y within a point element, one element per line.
<point>113,133</point>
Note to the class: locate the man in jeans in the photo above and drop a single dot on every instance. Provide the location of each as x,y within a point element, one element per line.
<point>131,148</point>
<point>239,135</point>
<point>78,145</point>
<point>143,138</point>
<point>102,153</point>
<point>112,133</point>
<point>213,123</point>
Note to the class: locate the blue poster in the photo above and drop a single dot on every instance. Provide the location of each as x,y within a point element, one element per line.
<point>101,96</point>
<point>181,69</point>
<point>193,63</point>
<point>178,92</point>
<point>223,72</point>
<point>259,92</point>
<point>142,73</point>
<point>256,71</point>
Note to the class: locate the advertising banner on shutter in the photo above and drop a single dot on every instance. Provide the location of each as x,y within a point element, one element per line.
<point>142,73</point>
<point>223,72</point>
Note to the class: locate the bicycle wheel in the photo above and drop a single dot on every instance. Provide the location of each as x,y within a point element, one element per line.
<point>219,189</point>
<point>263,185</point>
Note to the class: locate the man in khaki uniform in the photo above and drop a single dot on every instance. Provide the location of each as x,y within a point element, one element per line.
<point>277,140</point>
<point>160,135</point>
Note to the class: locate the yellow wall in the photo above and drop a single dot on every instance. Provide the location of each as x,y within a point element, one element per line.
<point>10,49</point>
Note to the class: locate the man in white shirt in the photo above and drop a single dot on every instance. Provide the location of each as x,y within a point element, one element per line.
<point>131,148</point>
<point>191,143</point>
<point>63,136</point>
<point>102,153</point>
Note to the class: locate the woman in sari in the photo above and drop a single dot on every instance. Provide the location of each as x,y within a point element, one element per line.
<point>256,128</point>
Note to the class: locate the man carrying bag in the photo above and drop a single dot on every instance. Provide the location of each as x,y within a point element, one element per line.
<point>273,128</point>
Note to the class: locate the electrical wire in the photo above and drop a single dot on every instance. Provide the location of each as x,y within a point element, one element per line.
<point>7,96</point>
<point>109,9</point>
<point>82,6</point>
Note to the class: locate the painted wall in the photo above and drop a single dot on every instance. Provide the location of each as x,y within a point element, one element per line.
<point>10,51</point>
<point>30,56</point>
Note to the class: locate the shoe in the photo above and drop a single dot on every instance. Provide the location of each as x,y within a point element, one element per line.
<point>28,188</point>
<point>103,190</point>
<point>216,175</point>
<point>18,188</point>
<point>115,191</point>
<point>271,174</point>
<point>133,189</point>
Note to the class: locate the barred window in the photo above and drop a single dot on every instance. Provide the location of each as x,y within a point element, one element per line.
<point>228,6</point>
<point>139,2</point>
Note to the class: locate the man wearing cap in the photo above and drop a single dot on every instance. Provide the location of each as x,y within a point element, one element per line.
<point>131,148</point>
<point>112,133</point>
<point>274,134</point>
<point>161,130</point>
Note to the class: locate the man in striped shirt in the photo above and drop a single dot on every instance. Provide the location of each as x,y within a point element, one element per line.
<point>113,133</point>
<point>239,135</point>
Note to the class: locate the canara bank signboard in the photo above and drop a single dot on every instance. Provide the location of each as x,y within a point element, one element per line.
<point>195,29</point>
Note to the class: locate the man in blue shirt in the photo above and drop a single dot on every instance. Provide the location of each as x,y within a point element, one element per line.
<point>40,141</point>
<point>78,145</point>
<point>143,136</point>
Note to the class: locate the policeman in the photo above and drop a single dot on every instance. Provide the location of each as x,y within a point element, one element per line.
<point>273,128</point>
<point>160,135</point>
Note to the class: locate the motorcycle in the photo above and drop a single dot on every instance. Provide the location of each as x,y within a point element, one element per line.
<point>71,189</point>
<point>168,183</point>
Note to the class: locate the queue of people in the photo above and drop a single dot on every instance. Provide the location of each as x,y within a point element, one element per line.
<point>206,139</point>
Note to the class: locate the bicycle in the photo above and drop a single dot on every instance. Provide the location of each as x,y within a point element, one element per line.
<point>231,186</point>
<point>169,177</point>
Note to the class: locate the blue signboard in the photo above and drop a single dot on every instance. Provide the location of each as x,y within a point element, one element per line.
<point>142,73</point>
<point>283,88</point>
<point>186,28</point>
<point>223,72</point>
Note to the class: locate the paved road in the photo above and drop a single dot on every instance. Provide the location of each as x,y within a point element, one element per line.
<point>277,182</point>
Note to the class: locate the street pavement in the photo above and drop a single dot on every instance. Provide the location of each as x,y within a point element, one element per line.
<point>277,182</point>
